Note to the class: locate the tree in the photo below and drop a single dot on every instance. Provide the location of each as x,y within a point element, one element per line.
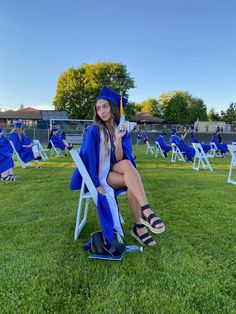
<point>152,106</point>
<point>213,116</point>
<point>77,89</point>
<point>230,114</point>
<point>176,111</point>
<point>131,109</point>
<point>194,108</point>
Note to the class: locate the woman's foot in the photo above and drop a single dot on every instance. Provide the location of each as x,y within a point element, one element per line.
<point>150,220</point>
<point>140,233</point>
<point>8,178</point>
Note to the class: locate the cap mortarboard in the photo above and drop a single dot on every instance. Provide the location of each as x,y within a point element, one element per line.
<point>173,131</point>
<point>113,96</point>
<point>54,129</point>
<point>17,124</point>
<point>213,133</point>
<point>163,133</point>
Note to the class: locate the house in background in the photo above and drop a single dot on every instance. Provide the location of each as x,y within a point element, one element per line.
<point>31,117</point>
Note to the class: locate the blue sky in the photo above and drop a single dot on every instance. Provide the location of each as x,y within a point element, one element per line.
<point>165,44</point>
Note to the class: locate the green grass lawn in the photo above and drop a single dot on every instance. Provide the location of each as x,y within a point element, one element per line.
<point>191,270</point>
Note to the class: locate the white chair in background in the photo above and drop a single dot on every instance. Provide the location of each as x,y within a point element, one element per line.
<point>18,159</point>
<point>42,151</point>
<point>149,148</point>
<point>84,195</point>
<point>176,153</point>
<point>159,150</point>
<point>55,151</point>
<point>232,150</point>
<point>200,158</point>
<point>214,152</point>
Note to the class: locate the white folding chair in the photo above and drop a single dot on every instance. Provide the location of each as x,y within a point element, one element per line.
<point>232,150</point>
<point>200,158</point>
<point>91,193</point>
<point>159,150</point>
<point>214,152</point>
<point>18,159</point>
<point>149,148</point>
<point>176,153</point>
<point>42,151</point>
<point>55,151</point>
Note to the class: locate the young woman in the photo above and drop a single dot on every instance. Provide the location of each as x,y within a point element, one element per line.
<point>25,148</point>
<point>6,161</point>
<point>107,154</point>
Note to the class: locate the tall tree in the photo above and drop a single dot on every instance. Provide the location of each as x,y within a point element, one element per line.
<point>213,116</point>
<point>230,114</point>
<point>77,89</point>
<point>152,106</point>
<point>176,111</point>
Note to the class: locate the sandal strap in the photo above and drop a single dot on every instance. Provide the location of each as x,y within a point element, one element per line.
<point>146,206</point>
<point>150,217</point>
<point>139,226</point>
<point>143,236</point>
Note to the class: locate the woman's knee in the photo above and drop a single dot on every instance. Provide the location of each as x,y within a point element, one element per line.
<point>125,165</point>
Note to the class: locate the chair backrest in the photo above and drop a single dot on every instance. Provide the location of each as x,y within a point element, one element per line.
<point>84,173</point>
<point>176,153</point>
<point>200,158</point>
<point>149,148</point>
<point>159,150</point>
<point>41,150</point>
<point>214,152</point>
<point>232,150</point>
<point>55,150</point>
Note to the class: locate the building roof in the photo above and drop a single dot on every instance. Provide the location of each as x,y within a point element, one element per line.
<point>145,117</point>
<point>25,113</point>
<point>33,114</point>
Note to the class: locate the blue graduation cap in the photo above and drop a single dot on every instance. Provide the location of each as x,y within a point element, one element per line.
<point>173,131</point>
<point>110,94</point>
<point>54,129</point>
<point>1,129</point>
<point>163,133</point>
<point>17,124</point>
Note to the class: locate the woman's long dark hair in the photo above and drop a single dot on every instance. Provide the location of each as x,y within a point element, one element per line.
<point>115,117</point>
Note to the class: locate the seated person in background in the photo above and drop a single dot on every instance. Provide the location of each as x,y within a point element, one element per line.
<point>59,142</point>
<point>23,145</point>
<point>161,140</point>
<point>6,161</point>
<point>193,139</point>
<point>183,147</point>
<point>221,146</point>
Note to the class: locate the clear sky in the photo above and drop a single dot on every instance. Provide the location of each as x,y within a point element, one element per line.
<point>165,44</point>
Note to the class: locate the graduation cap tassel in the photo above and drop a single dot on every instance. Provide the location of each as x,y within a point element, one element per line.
<point>122,116</point>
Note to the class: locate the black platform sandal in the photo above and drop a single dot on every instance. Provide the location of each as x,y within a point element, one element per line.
<point>147,221</point>
<point>144,239</point>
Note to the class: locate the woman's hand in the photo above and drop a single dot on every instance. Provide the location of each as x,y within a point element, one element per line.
<point>119,134</point>
<point>101,190</point>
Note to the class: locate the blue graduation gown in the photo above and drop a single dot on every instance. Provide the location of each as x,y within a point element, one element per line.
<point>57,141</point>
<point>222,147</point>
<point>26,153</point>
<point>205,147</point>
<point>89,153</point>
<point>163,144</point>
<point>188,150</point>
<point>6,161</point>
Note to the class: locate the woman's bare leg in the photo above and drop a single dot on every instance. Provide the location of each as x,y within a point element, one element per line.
<point>131,179</point>
<point>116,180</point>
